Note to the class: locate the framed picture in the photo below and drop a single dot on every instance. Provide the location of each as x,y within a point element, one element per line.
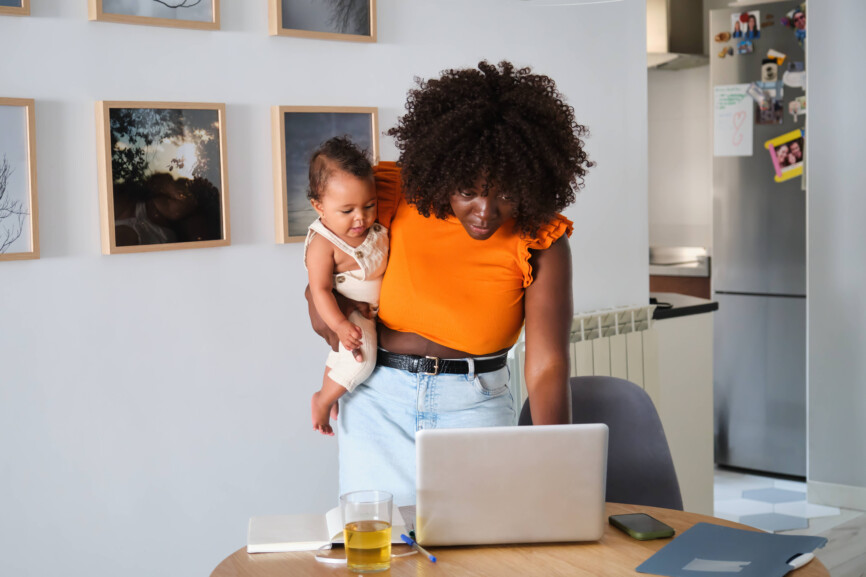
<point>19,215</point>
<point>297,132</point>
<point>15,7</point>
<point>196,14</point>
<point>787,153</point>
<point>163,181</point>
<point>353,20</point>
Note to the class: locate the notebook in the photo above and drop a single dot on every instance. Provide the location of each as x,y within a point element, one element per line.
<point>511,484</point>
<point>281,533</point>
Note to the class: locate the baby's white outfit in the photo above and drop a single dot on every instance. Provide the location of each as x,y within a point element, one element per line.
<point>361,285</point>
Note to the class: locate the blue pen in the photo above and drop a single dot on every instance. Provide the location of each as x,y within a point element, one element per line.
<point>409,541</point>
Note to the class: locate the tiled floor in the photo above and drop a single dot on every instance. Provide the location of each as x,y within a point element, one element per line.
<point>780,506</point>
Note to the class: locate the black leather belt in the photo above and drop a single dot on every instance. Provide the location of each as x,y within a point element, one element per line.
<point>435,365</point>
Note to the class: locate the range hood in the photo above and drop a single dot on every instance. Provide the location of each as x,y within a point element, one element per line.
<point>675,34</point>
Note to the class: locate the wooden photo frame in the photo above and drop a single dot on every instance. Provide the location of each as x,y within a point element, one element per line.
<point>787,153</point>
<point>297,132</point>
<point>19,211</point>
<point>352,20</point>
<point>15,7</point>
<point>163,176</point>
<point>194,14</point>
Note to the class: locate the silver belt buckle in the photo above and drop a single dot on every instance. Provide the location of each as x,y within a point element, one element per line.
<point>435,366</point>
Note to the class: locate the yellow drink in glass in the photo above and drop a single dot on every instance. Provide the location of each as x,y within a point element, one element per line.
<point>368,546</point>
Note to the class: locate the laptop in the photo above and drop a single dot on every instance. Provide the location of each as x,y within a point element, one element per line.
<point>511,484</point>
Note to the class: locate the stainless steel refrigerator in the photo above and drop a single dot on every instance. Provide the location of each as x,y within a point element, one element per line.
<point>759,273</point>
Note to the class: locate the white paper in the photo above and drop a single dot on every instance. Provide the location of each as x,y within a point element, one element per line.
<point>733,120</point>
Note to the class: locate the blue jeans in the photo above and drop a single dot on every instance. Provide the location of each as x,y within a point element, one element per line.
<point>377,422</point>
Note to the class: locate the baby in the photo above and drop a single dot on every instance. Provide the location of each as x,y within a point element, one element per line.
<point>345,249</point>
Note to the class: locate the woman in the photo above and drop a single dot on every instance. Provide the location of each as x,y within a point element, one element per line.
<point>753,31</point>
<point>488,159</point>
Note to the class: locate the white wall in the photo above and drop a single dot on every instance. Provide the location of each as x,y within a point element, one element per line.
<point>680,158</point>
<point>150,403</point>
<point>837,253</point>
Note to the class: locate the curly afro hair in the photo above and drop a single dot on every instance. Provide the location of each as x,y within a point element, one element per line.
<point>336,154</point>
<point>508,126</point>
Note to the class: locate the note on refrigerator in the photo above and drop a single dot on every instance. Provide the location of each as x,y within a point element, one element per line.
<point>733,120</point>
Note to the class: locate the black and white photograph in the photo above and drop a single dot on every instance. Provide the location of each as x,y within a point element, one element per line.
<point>18,215</point>
<point>15,7</point>
<point>353,20</point>
<point>165,181</point>
<point>201,14</point>
<point>300,131</point>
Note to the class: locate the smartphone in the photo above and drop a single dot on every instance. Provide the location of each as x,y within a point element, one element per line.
<point>641,526</point>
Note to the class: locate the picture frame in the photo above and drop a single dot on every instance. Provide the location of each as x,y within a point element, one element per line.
<point>297,132</point>
<point>163,176</point>
<point>787,153</point>
<point>15,7</point>
<point>349,20</point>
<point>19,207</point>
<point>198,15</point>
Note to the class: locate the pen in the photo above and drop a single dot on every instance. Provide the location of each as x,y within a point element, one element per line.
<point>799,560</point>
<point>408,540</point>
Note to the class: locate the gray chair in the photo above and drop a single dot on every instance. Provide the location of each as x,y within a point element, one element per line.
<point>640,470</point>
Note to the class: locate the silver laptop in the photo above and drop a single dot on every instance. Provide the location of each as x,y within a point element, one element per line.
<point>511,484</point>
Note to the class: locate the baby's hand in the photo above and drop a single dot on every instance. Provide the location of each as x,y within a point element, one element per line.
<point>350,335</point>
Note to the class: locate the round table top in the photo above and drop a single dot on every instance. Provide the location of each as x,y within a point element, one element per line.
<point>615,554</point>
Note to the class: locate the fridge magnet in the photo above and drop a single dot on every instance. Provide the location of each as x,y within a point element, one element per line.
<point>746,25</point>
<point>163,177</point>
<point>786,152</point>
<point>757,93</point>
<point>771,111</point>
<point>769,71</point>
<point>797,107</point>
<point>726,51</point>
<point>768,21</point>
<point>745,47</point>
<point>353,20</point>
<point>297,132</point>
<point>19,222</point>
<point>798,21</point>
<point>195,14</point>
<point>723,36</point>
<point>777,56</point>
<point>15,7</point>
<point>794,79</point>
<point>772,89</point>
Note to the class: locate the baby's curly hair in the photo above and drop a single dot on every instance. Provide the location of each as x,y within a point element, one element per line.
<point>337,153</point>
<point>507,125</point>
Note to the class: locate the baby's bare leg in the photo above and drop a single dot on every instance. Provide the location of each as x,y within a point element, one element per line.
<point>323,403</point>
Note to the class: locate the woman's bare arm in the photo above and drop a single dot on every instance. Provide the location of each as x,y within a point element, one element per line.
<point>549,310</point>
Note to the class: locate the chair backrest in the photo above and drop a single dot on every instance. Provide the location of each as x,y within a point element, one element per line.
<point>640,470</point>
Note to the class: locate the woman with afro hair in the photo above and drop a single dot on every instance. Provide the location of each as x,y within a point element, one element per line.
<point>489,157</point>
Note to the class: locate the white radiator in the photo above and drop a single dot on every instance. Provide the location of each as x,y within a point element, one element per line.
<point>614,342</point>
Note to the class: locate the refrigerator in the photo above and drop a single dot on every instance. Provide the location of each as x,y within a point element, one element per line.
<point>759,267</point>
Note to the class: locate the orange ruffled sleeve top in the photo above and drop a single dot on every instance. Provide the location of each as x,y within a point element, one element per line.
<point>440,283</point>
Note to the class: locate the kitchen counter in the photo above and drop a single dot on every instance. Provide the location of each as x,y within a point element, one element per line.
<point>682,344</point>
<point>681,305</point>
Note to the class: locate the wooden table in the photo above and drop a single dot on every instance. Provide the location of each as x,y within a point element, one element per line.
<point>616,554</point>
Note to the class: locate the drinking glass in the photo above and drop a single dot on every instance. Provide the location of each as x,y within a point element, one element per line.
<point>367,530</point>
